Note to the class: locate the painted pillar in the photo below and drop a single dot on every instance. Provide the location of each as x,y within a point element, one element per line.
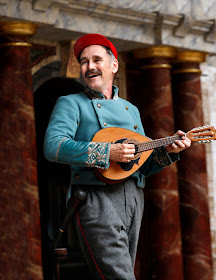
<point>160,251</point>
<point>20,243</point>
<point>193,189</point>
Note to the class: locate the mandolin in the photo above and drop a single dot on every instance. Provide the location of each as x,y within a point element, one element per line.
<point>144,146</point>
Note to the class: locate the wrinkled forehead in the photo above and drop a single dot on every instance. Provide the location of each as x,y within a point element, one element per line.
<point>93,50</point>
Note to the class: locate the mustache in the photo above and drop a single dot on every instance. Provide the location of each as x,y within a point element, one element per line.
<point>93,72</point>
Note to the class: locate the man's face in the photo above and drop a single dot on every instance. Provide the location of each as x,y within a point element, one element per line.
<point>98,68</point>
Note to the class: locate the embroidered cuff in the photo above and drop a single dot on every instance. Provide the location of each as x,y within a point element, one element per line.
<point>162,158</point>
<point>98,154</point>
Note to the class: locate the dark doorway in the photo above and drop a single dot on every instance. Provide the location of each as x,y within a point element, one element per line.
<point>53,181</point>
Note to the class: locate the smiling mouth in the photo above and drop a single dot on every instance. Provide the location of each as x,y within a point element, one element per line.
<point>93,76</point>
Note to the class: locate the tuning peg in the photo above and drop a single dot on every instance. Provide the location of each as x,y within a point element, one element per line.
<point>203,142</point>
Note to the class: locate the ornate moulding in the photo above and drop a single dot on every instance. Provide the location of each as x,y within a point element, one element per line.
<point>18,28</point>
<point>132,22</point>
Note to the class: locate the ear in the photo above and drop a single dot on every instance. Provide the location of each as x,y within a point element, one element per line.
<point>115,66</point>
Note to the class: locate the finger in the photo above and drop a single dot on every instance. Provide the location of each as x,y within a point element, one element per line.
<point>128,158</point>
<point>128,146</point>
<point>128,150</point>
<point>180,144</point>
<point>186,142</point>
<point>174,146</point>
<point>131,156</point>
<point>185,138</point>
<point>180,132</point>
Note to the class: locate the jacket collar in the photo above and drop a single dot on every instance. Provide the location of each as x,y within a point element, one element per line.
<point>92,94</point>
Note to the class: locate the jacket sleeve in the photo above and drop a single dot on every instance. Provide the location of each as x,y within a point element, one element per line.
<point>158,160</point>
<point>60,144</point>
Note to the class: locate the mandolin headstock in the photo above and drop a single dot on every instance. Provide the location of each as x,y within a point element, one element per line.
<point>204,134</point>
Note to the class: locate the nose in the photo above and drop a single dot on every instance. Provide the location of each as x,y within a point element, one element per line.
<point>91,65</point>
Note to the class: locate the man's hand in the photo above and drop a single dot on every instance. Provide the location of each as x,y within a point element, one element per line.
<point>122,152</point>
<point>125,152</point>
<point>179,145</point>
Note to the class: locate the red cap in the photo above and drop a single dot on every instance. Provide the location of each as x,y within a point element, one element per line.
<point>93,39</point>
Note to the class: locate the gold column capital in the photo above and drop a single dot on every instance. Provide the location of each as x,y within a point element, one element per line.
<point>190,61</point>
<point>156,51</point>
<point>18,28</point>
<point>190,56</point>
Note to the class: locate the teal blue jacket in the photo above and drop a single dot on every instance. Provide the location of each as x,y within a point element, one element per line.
<point>73,123</point>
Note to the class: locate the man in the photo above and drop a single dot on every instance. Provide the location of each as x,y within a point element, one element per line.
<point>108,223</point>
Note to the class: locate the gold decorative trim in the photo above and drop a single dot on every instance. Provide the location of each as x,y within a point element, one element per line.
<point>187,70</point>
<point>18,28</point>
<point>15,44</point>
<point>56,156</point>
<point>158,51</point>
<point>152,66</point>
<point>190,56</point>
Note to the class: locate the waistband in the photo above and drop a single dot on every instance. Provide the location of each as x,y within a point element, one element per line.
<point>85,177</point>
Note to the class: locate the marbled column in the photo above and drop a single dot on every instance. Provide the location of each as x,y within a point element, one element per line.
<point>160,239</point>
<point>196,239</point>
<point>20,242</point>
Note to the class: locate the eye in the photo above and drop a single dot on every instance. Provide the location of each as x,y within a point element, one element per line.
<point>83,62</point>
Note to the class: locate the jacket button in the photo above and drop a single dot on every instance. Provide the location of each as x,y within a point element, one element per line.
<point>105,124</point>
<point>126,107</point>
<point>99,106</point>
<point>135,127</point>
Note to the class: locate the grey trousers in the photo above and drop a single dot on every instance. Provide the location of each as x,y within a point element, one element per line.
<point>108,226</point>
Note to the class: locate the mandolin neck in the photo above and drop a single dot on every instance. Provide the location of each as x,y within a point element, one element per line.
<point>149,145</point>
